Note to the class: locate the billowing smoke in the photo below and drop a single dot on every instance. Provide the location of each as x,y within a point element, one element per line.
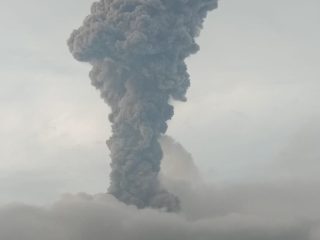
<point>137,50</point>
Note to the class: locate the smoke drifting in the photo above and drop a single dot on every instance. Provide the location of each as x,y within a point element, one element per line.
<point>177,163</point>
<point>137,50</point>
<point>227,214</point>
<point>273,211</point>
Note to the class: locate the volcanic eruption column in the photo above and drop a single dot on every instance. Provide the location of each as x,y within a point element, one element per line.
<point>137,50</point>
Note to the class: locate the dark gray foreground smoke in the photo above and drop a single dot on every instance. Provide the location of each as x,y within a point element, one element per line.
<point>137,49</point>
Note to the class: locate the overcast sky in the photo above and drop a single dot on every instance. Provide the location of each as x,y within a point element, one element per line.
<point>252,114</point>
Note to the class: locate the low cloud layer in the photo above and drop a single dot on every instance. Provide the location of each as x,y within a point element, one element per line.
<point>283,211</point>
<point>83,217</point>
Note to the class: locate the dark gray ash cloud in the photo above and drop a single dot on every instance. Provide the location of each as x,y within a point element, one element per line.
<point>137,49</point>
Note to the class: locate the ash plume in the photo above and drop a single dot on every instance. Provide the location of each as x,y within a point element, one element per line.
<point>137,50</point>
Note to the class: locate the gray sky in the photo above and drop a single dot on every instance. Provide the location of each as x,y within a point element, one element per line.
<point>252,115</point>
